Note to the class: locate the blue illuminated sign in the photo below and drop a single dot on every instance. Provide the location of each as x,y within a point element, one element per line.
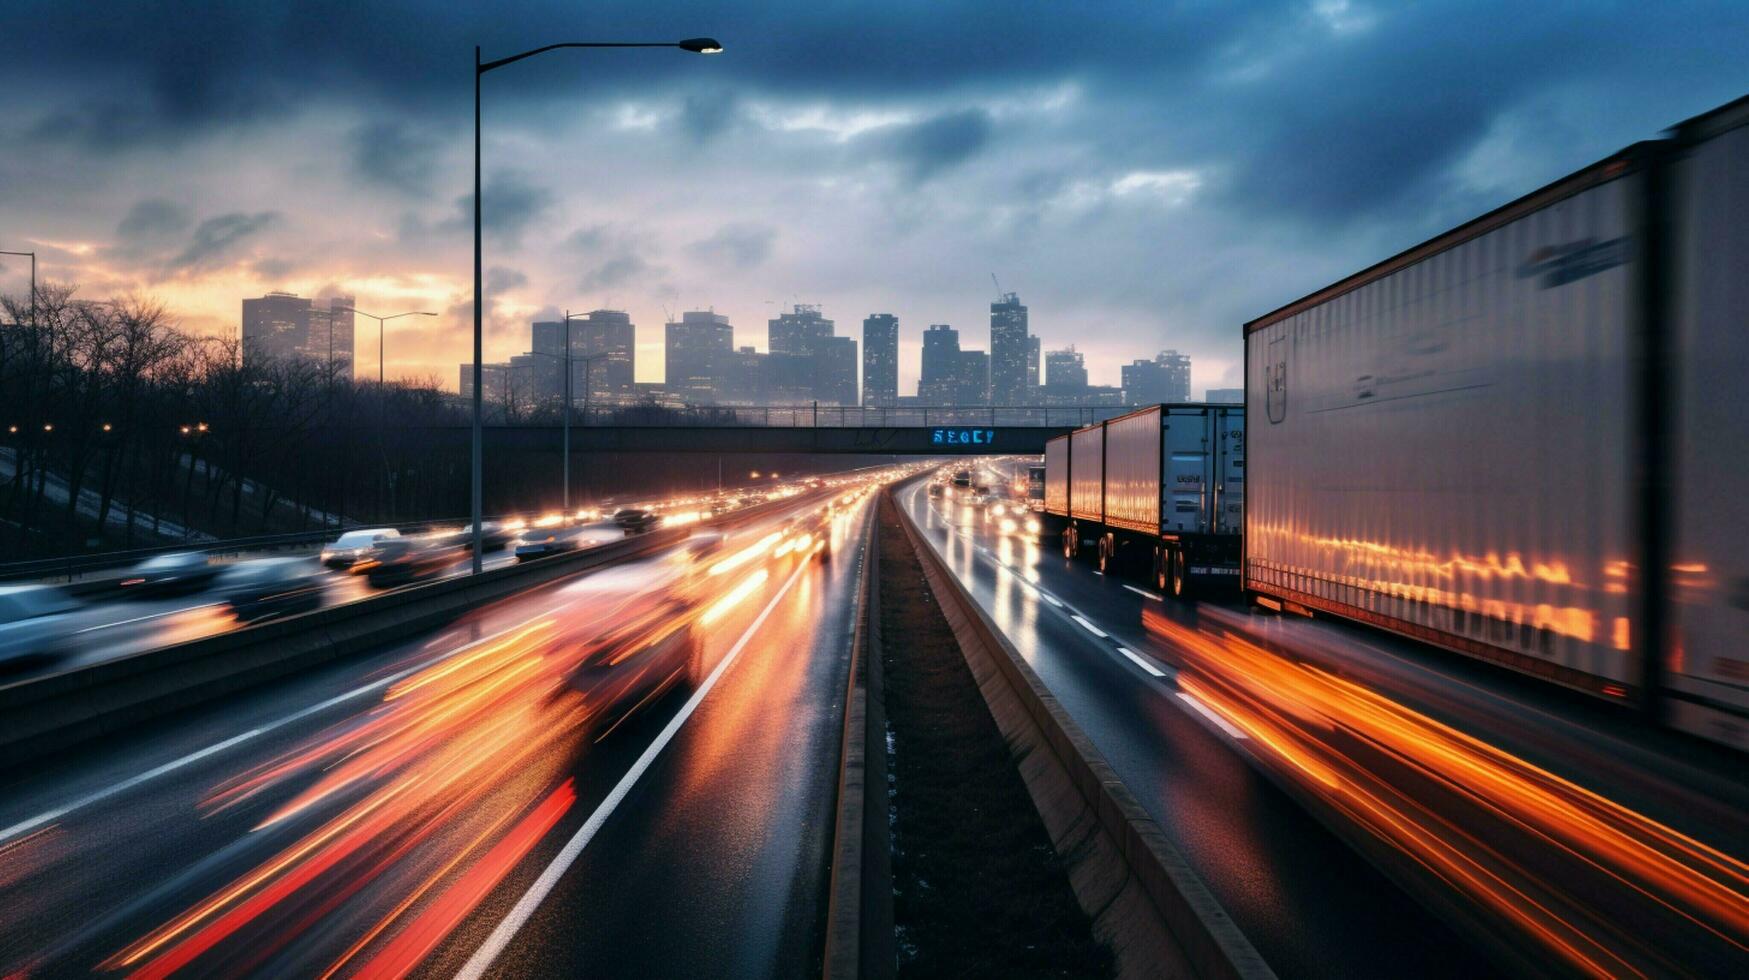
<point>963,437</point>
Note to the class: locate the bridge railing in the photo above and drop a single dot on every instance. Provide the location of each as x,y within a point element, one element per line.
<point>840,416</point>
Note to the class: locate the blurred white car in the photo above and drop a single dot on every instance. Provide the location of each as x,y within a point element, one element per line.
<point>355,546</point>
<point>34,621</point>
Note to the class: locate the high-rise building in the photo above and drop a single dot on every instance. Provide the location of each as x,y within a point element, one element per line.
<point>275,326</point>
<point>1065,370</point>
<point>808,361</point>
<point>1033,362</point>
<point>697,348</point>
<point>280,326</point>
<point>609,340</point>
<point>1010,346</point>
<point>972,379</point>
<point>941,365</point>
<point>835,371</point>
<point>1233,395</point>
<point>1166,378</point>
<point>880,359</point>
<point>798,331</point>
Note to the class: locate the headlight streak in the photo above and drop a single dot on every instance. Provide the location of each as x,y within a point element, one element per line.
<point>752,553</point>
<point>736,596</point>
<point>1347,744</point>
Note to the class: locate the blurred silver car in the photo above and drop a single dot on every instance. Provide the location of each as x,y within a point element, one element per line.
<point>34,622</point>
<point>355,546</point>
<point>540,542</point>
<point>176,572</point>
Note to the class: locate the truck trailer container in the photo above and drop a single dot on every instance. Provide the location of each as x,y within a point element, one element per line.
<point>1158,491</point>
<point>1524,440</point>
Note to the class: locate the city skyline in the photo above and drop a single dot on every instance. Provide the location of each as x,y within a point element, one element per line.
<point>807,363</point>
<point>1146,203</point>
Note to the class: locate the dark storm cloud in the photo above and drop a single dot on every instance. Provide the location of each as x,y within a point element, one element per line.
<point>738,245</point>
<point>275,268</point>
<point>510,203</point>
<point>706,115</point>
<point>617,271</point>
<point>392,155</point>
<point>219,238</point>
<point>153,217</point>
<point>927,148</point>
<point>503,278</point>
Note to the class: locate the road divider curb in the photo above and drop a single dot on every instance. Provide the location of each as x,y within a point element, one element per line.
<point>859,915</point>
<point>1158,915</point>
<point>46,715</point>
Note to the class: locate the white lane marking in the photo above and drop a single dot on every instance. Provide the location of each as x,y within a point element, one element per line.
<point>525,907</point>
<point>1212,715</point>
<point>1144,593</point>
<point>97,796</point>
<point>123,786</point>
<point>141,619</point>
<point>1046,596</point>
<point>1141,661</point>
<point>1089,627</point>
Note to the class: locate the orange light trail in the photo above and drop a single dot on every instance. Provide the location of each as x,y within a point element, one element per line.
<point>1345,742</point>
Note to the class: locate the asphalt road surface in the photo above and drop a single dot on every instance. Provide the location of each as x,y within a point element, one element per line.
<point>476,800</point>
<point>1317,774</point>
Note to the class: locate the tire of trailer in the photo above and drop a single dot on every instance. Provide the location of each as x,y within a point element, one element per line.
<point>1159,568</point>
<point>1107,553</point>
<point>1071,541</point>
<point>1177,579</point>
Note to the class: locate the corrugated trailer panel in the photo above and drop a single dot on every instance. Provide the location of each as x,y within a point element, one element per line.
<point>1132,471</point>
<point>1708,651</point>
<point>1087,473</point>
<point>1057,476</point>
<point>1444,449</point>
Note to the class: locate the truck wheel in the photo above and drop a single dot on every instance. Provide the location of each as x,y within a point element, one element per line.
<point>1176,576</point>
<point>1071,540</point>
<point>1160,575</point>
<point>1105,555</point>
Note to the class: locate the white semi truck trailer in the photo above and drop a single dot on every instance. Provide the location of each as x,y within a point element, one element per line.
<point>1527,440</point>
<point>1159,491</point>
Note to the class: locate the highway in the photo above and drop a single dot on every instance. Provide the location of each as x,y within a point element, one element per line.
<point>477,801</point>
<point>1311,771</point>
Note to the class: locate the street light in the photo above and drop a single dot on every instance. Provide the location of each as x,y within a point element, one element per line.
<point>587,360</point>
<point>696,45</point>
<point>381,360</point>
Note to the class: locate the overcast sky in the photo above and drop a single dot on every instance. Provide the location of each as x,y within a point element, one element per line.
<point>1145,175</point>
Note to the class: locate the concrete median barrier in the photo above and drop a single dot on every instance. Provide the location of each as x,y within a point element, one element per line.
<point>1146,901</point>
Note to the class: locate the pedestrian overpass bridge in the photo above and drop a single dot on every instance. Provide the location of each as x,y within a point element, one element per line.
<point>945,431</point>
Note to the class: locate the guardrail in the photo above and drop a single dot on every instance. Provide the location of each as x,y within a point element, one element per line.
<point>71,566</point>
<point>859,914</point>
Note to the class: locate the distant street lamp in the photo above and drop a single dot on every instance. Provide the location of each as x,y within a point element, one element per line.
<point>381,360</point>
<point>696,45</point>
<point>587,359</point>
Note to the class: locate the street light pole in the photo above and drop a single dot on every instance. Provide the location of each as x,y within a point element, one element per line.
<point>696,45</point>
<point>382,358</point>
<point>567,476</point>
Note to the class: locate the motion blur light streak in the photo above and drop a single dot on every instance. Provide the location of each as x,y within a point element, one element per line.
<point>1483,820</point>
<point>751,553</point>
<point>735,597</point>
